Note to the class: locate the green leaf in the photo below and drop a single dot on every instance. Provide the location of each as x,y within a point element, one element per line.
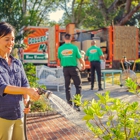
<point>88,117</point>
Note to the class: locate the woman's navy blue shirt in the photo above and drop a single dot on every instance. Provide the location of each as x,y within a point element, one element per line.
<point>11,106</point>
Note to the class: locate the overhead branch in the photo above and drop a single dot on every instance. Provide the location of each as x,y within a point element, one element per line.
<point>127,7</point>
<point>78,24</point>
<point>79,5</point>
<point>64,7</point>
<point>113,6</point>
<point>24,7</point>
<point>32,11</point>
<point>41,15</point>
<point>78,11</point>
<point>129,15</point>
<point>103,9</point>
<point>117,4</point>
<point>72,11</point>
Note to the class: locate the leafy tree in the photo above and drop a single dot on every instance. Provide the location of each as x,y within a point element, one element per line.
<point>11,11</point>
<point>38,11</point>
<point>98,13</point>
<point>127,8</point>
<point>76,11</point>
<point>25,12</point>
<point>22,13</point>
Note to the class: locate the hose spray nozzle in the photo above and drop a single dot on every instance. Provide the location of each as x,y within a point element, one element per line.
<point>43,91</point>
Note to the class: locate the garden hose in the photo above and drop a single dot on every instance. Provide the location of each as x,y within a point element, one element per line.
<point>40,92</point>
<point>25,117</point>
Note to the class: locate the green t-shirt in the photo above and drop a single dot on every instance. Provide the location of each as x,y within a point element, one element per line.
<point>94,53</point>
<point>68,54</point>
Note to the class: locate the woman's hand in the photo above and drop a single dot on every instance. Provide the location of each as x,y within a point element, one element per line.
<point>33,93</point>
<point>27,105</point>
<point>26,110</point>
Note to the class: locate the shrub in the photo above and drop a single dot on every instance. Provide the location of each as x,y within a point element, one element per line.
<point>133,87</point>
<point>41,104</point>
<point>110,118</point>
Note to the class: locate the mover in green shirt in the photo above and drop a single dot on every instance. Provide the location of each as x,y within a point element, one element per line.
<point>68,55</point>
<point>94,54</point>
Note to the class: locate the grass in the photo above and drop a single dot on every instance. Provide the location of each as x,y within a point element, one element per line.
<point>117,78</point>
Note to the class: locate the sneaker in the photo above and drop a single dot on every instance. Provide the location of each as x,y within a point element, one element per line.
<point>77,108</point>
<point>70,103</point>
<point>100,89</point>
<point>91,88</point>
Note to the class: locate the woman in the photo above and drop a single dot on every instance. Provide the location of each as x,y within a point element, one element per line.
<point>14,88</point>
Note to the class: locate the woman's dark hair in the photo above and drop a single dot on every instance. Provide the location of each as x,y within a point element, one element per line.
<point>5,28</point>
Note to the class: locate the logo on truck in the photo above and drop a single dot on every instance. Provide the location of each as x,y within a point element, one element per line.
<point>37,40</point>
<point>42,47</point>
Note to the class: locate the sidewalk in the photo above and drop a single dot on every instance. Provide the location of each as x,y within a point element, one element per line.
<point>57,127</point>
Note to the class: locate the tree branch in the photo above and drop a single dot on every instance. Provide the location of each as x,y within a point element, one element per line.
<point>113,6</point>
<point>42,12</point>
<point>72,11</point>
<point>78,11</point>
<point>24,3</point>
<point>104,127</point>
<point>33,8</point>
<point>65,8</point>
<point>129,15</point>
<point>127,7</point>
<point>40,17</point>
<point>103,9</point>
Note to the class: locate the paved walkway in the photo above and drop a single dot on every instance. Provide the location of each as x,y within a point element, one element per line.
<point>57,127</point>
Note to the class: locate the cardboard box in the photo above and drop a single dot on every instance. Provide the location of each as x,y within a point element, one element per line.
<point>103,44</point>
<point>86,44</point>
<point>78,44</point>
<point>70,29</point>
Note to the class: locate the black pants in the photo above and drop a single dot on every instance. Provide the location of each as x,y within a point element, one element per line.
<point>95,66</point>
<point>74,74</point>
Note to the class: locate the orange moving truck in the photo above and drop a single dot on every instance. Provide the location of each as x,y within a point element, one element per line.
<point>115,41</point>
<point>37,49</point>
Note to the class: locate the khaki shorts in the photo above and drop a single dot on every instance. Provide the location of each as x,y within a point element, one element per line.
<point>12,129</point>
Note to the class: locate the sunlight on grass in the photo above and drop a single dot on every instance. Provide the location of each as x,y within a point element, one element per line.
<point>117,78</point>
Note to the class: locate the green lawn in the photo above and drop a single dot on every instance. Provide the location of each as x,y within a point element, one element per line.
<point>117,78</point>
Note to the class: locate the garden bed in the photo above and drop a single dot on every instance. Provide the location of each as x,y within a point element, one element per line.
<point>46,113</point>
